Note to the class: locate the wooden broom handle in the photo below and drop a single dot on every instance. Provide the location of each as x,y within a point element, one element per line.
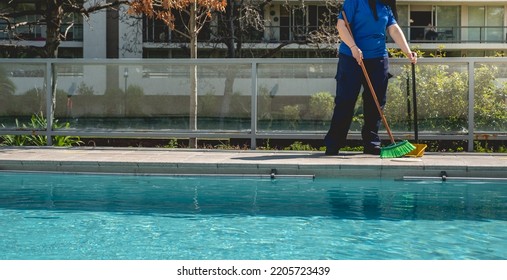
<point>384,120</point>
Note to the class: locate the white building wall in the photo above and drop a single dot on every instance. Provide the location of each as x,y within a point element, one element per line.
<point>94,35</point>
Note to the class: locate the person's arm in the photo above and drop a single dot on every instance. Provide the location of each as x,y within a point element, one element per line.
<point>347,38</point>
<point>399,38</point>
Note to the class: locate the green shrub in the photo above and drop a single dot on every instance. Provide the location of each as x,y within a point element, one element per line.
<point>442,98</point>
<point>85,90</point>
<point>264,102</point>
<point>39,122</point>
<point>208,105</point>
<point>490,100</point>
<point>442,95</point>
<point>113,101</point>
<point>292,114</point>
<point>299,146</point>
<point>321,106</point>
<point>133,101</point>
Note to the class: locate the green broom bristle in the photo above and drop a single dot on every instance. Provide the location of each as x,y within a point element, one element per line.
<point>396,150</point>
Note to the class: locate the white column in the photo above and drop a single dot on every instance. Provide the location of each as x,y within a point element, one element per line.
<point>94,35</point>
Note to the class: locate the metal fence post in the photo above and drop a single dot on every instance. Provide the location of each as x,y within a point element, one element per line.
<point>471,104</point>
<point>50,80</point>
<point>253,113</point>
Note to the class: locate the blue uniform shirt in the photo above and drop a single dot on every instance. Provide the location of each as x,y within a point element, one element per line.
<point>369,34</point>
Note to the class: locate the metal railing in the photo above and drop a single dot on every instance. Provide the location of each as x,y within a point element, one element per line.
<point>278,34</point>
<point>462,99</point>
<point>456,34</point>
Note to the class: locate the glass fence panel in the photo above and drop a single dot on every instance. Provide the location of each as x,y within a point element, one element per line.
<point>123,97</point>
<point>154,96</point>
<point>22,96</point>
<point>442,97</point>
<point>157,96</point>
<point>399,106</point>
<point>92,96</point>
<point>490,95</point>
<point>295,97</point>
<point>225,97</point>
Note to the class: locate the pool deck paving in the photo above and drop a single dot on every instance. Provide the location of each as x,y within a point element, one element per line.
<point>143,161</point>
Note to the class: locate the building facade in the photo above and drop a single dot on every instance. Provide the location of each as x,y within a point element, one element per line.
<point>457,27</point>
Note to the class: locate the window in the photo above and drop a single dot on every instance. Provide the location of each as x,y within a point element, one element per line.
<point>403,19</point>
<point>4,32</point>
<point>72,27</point>
<point>321,16</point>
<point>476,18</point>
<point>494,24</point>
<point>32,26</point>
<point>155,30</point>
<point>448,21</point>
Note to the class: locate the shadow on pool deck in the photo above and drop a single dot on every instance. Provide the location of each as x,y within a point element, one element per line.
<point>246,162</point>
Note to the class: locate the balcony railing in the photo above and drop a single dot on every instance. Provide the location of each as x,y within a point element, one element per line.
<point>457,34</point>
<point>415,34</point>
<point>275,34</point>
<point>461,99</point>
<point>278,34</point>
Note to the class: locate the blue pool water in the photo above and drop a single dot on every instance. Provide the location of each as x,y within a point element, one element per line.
<point>71,216</point>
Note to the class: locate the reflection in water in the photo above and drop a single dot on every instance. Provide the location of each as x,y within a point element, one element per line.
<point>423,201</point>
<point>337,198</point>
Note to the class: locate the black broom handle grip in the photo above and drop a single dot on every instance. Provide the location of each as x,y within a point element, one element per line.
<point>414,96</point>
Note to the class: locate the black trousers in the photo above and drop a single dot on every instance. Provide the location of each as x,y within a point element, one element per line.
<point>349,81</point>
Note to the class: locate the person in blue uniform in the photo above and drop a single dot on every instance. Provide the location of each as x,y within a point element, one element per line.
<point>369,21</point>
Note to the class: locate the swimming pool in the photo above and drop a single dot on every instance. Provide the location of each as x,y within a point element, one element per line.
<point>84,216</point>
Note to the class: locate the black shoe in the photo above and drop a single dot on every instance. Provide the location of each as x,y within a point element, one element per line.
<point>372,150</point>
<point>331,152</point>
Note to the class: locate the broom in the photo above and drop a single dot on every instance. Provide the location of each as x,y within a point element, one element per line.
<point>393,150</point>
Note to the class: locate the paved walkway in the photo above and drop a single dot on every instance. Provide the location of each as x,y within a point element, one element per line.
<point>184,161</point>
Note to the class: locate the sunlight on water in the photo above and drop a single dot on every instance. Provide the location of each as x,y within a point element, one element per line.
<point>63,216</point>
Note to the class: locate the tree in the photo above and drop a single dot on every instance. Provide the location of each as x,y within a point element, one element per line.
<point>326,35</point>
<point>244,18</point>
<point>196,13</point>
<point>240,19</point>
<point>53,14</point>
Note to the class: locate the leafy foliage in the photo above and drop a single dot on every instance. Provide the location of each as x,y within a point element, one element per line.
<point>299,146</point>
<point>39,122</point>
<point>54,15</point>
<point>165,9</point>
<point>85,89</point>
<point>442,96</point>
<point>321,105</point>
<point>292,114</point>
<point>490,99</point>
